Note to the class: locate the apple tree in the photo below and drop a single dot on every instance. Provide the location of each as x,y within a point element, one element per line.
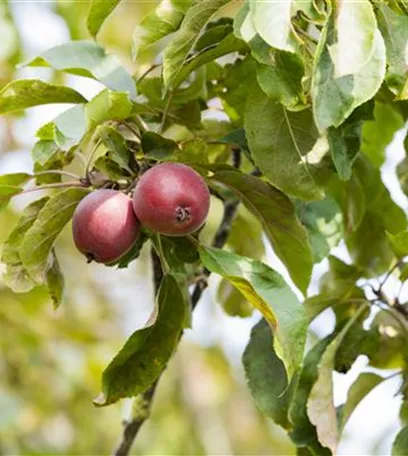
<point>282,111</point>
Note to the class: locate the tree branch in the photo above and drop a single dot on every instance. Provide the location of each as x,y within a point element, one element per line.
<point>144,402</point>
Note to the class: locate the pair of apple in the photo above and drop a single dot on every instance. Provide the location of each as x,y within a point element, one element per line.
<point>170,199</point>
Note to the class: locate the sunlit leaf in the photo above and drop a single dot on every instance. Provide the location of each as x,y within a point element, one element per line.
<point>335,98</point>
<point>107,105</point>
<point>162,21</point>
<point>98,12</point>
<point>26,93</point>
<point>277,214</point>
<point>267,292</point>
<point>87,58</point>
<point>37,243</point>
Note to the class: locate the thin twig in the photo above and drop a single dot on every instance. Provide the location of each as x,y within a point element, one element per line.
<point>147,72</point>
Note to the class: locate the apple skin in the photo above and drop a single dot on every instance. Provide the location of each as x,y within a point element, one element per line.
<point>104,226</point>
<point>171,199</point>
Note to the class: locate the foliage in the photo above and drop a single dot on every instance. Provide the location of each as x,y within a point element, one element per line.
<point>309,94</point>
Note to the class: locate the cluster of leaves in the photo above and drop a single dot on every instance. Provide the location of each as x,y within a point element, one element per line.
<point>311,94</point>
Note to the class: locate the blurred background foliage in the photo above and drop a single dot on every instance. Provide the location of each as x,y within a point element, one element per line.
<point>51,361</point>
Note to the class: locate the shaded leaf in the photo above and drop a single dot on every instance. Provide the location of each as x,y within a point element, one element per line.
<point>266,375</point>
<point>400,445</point>
<point>378,133</point>
<point>37,243</point>
<point>157,147</point>
<point>98,12</point>
<point>148,350</point>
<point>280,145</point>
<point>184,40</point>
<point>232,301</point>
<point>277,214</point>
<point>399,243</point>
<point>26,93</point>
<point>267,292</point>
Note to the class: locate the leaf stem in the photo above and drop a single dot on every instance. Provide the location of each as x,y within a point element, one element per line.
<point>90,158</point>
<point>166,111</point>
<point>56,185</point>
<point>57,171</point>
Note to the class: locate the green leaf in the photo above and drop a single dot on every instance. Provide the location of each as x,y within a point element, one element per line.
<point>281,145</point>
<point>43,150</point>
<point>14,180</point>
<point>245,237</point>
<point>107,105</point>
<point>362,386</point>
<point>185,38</point>
<point>10,185</point>
<point>368,243</point>
<point>37,243</point>
<point>277,214</point>
<point>228,45</point>
<point>356,27</point>
<point>16,276</point>
<point>87,58</point>
<point>67,128</point>
<point>10,250</point>
<point>26,93</point>
<point>232,301</point>
<point>133,253</point>
<point>116,145</point>
<point>162,21</point>
<point>148,350</point>
<point>378,133</point>
<point>320,406</point>
<point>272,21</point>
<point>399,243</point>
<point>281,80</point>
<point>344,143</point>
<point>391,339</point>
<point>400,445</point>
<point>55,280</point>
<point>322,220</point>
<point>303,432</point>
<point>98,12</point>
<point>267,292</point>
<point>266,375</point>
<point>157,147</point>
<point>335,98</point>
<point>394,29</point>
